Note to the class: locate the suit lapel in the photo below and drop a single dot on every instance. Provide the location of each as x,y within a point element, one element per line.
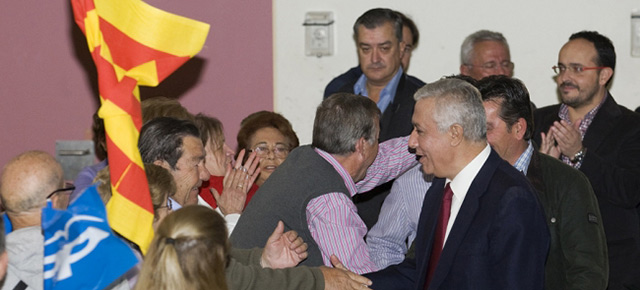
<point>603,123</point>
<point>387,116</point>
<point>426,227</point>
<point>463,221</point>
<point>534,172</point>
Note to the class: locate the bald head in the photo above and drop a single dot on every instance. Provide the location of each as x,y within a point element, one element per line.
<point>27,180</point>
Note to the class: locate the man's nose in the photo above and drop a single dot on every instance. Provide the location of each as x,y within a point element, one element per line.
<point>413,139</point>
<point>375,56</point>
<point>203,173</point>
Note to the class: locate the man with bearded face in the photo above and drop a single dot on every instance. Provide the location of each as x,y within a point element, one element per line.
<point>594,134</point>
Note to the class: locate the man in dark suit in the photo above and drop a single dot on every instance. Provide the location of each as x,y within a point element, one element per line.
<point>481,225</point>
<point>594,134</point>
<point>578,254</point>
<point>381,47</point>
<point>410,36</point>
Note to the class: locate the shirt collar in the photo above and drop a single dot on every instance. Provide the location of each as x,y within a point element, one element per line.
<point>563,113</point>
<point>387,95</point>
<point>522,164</point>
<point>461,183</point>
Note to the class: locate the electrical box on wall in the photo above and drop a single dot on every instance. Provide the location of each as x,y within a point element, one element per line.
<point>635,33</point>
<point>318,33</point>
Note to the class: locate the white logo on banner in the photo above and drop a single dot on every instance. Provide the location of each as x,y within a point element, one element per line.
<point>63,259</point>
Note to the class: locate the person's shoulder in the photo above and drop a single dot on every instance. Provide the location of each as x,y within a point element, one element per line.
<point>629,115</point>
<point>507,176</point>
<point>342,82</point>
<point>414,81</point>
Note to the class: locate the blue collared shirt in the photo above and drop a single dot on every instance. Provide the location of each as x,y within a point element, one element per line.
<point>386,95</point>
<point>174,204</point>
<point>522,164</point>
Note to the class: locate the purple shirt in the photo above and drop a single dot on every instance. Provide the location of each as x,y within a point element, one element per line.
<point>85,178</point>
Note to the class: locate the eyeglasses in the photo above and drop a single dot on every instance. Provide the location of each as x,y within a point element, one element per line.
<point>68,187</point>
<point>574,68</point>
<point>508,65</point>
<point>169,204</point>
<point>280,151</point>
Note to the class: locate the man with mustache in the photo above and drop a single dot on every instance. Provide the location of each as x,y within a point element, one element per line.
<point>381,47</point>
<point>595,135</point>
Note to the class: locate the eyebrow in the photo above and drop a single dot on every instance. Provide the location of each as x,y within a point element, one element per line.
<point>200,157</point>
<point>388,42</point>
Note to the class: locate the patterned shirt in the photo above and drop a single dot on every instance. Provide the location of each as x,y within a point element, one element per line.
<point>563,113</point>
<point>386,95</point>
<point>522,164</point>
<point>333,218</point>
<point>397,226</point>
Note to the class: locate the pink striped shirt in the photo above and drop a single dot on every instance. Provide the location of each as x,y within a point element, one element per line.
<point>333,218</point>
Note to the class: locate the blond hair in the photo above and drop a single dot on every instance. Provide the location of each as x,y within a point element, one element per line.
<point>189,251</point>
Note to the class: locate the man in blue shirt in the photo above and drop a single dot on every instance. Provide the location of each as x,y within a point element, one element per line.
<point>379,40</point>
<point>381,47</point>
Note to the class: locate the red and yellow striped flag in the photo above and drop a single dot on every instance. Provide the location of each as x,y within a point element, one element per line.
<point>132,43</point>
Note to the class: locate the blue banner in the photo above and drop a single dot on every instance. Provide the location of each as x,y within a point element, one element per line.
<point>80,250</point>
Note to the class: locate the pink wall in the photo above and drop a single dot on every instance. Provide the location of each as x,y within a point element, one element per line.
<point>48,89</point>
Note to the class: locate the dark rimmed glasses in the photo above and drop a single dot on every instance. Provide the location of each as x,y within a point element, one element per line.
<point>68,187</point>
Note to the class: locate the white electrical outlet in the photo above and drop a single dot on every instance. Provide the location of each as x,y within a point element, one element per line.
<point>318,33</point>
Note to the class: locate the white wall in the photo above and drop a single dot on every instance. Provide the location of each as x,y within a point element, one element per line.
<point>535,30</point>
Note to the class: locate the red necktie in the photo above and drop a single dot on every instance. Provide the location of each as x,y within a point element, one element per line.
<point>441,230</point>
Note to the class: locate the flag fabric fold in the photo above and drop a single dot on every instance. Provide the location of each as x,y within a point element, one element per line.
<point>132,43</point>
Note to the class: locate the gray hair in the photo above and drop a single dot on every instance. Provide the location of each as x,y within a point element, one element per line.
<point>466,50</point>
<point>341,120</point>
<point>456,102</point>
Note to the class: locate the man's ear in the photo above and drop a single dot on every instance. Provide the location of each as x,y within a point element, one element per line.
<point>605,75</point>
<point>464,70</point>
<point>520,127</point>
<point>403,46</point>
<point>360,146</point>
<point>163,164</point>
<point>456,134</point>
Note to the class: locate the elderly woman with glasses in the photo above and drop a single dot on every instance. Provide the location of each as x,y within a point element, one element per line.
<point>271,137</point>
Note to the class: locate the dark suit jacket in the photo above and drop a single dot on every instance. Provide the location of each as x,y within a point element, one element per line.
<point>578,253</point>
<point>499,239</point>
<point>612,164</point>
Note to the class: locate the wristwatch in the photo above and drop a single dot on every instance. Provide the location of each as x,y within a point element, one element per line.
<point>579,156</point>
